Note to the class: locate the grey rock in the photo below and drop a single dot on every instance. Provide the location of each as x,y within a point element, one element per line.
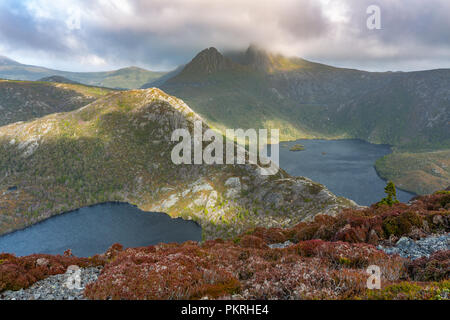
<point>233,182</point>
<point>408,248</point>
<point>280,245</point>
<point>54,288</point>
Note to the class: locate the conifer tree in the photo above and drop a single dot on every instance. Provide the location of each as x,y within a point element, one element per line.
<point>391,194</point>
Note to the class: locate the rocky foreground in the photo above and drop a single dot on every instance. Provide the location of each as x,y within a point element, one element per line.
<point>326,258</point>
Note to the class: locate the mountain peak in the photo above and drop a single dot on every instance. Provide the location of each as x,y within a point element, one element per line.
<point>210,61</point>
<point>258,58</point>
<point>261,59</point>
<point>207,62</point>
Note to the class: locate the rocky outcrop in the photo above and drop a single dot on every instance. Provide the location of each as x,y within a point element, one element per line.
<point>408,248</point>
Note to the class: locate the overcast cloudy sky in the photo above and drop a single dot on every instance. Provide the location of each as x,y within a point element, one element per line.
<point>92,35</point>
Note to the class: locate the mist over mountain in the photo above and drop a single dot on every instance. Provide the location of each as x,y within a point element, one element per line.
<point>256,88</point>
<point>5,61</point>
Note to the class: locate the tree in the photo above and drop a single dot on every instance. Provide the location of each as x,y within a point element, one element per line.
<point>391,194</point>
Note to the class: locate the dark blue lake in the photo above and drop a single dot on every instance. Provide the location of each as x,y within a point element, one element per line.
<point>345,167</point>
<point>93,230</point>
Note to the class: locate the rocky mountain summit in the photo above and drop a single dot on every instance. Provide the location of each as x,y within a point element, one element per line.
<point>208,61</point>
<point>118,148</point>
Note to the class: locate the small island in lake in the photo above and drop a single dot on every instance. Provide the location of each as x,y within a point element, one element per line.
<point>297,147</point>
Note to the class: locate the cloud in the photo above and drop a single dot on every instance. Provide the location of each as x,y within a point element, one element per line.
<point>161,34</point>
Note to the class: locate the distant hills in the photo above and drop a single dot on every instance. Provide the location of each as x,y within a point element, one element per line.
<point>126,78</point>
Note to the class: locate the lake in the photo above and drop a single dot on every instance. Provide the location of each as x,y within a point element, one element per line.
<point>92,230</point>
<point>345,167</point>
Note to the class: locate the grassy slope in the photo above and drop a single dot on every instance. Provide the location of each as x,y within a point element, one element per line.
<point>25,100</point>
<point>118,149</point>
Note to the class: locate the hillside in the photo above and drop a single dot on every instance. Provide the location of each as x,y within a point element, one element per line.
<point>427,172</point>
<point>25,100</point>
<point>118,149</point>
<point>255,89</point>
<point>126,78</point>
<point>57,79</point>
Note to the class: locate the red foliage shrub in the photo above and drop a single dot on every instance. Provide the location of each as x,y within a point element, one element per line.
<point>426,215</point>
<point>163,272</point>
<point>250,241</point>
<point>21,272</point>
<point>113,251</point>
<point>434,268</point>
<point>218,269</point>
<point>270,236</point>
